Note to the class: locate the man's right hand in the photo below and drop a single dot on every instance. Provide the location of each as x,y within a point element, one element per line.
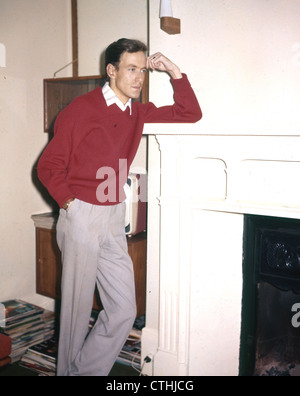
<point>68,204</point>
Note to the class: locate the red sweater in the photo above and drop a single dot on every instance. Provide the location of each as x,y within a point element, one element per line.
<point>92,141</point>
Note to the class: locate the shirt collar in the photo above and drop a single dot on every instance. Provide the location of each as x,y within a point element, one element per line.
<point>111,98</point>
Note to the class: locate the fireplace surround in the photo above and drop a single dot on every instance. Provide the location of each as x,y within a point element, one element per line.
<point>200,187</point>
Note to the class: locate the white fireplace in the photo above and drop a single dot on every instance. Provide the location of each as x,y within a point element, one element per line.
<point>200,187</point>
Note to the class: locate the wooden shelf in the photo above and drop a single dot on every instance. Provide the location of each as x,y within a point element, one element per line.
<point>170,25</point>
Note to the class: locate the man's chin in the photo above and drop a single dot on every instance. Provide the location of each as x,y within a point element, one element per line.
<point>136,95</point>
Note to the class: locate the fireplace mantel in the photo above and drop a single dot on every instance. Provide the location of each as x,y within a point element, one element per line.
<point>200,187</point>
<point>199,129</point>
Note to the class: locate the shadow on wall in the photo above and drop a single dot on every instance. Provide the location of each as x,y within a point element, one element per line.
<point>40,187</point>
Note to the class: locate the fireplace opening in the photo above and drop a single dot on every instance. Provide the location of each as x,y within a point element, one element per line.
<point>270,336</point>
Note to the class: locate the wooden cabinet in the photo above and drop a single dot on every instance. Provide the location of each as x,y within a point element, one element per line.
<point>49,267</point>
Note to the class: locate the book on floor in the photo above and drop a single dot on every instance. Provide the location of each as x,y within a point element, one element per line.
<point>27,325</point>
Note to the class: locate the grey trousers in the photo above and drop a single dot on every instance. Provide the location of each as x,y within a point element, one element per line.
<point>94,252</point>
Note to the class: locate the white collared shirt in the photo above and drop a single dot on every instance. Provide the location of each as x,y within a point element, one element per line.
<point>111,98</point>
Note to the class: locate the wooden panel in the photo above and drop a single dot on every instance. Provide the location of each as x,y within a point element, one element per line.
<point>59,92</point>
<point>137,249</point>
<point>74,8</point>
<point>48,270</point>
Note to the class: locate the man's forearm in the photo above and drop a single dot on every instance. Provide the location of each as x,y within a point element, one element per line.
<point>175,73</point>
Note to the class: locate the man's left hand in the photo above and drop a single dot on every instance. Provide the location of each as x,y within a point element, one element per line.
<point>161,63</point>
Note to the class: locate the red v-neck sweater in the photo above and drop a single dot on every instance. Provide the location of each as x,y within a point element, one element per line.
<point>92,142</point>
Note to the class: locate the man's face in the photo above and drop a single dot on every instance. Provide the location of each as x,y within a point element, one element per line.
<point>128,80</point>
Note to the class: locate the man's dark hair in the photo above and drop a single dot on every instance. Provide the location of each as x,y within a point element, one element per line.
<point>115,50</point>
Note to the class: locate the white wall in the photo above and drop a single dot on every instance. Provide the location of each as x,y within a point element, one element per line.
<point>102,22</point>
<point>243,59</point>
<point>37,37</point>
<point>99,24</point>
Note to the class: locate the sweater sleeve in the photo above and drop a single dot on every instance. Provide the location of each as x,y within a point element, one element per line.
<point>53,164</point>
<point>186,108</point>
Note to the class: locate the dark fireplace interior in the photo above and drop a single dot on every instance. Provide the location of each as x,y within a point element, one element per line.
<point>270,337</point>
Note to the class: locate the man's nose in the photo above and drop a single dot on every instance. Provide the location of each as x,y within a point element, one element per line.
<point>141,77</point>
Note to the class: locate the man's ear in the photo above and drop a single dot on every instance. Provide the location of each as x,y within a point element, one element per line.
<point>111,70</point>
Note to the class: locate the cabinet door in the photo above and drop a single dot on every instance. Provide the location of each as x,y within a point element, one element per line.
<point>48,269</point>
<point>137,247</point>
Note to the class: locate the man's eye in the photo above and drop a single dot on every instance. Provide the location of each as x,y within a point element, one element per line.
<point>132,69</point>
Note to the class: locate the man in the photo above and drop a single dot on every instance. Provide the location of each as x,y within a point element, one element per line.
<point>85,167</point>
